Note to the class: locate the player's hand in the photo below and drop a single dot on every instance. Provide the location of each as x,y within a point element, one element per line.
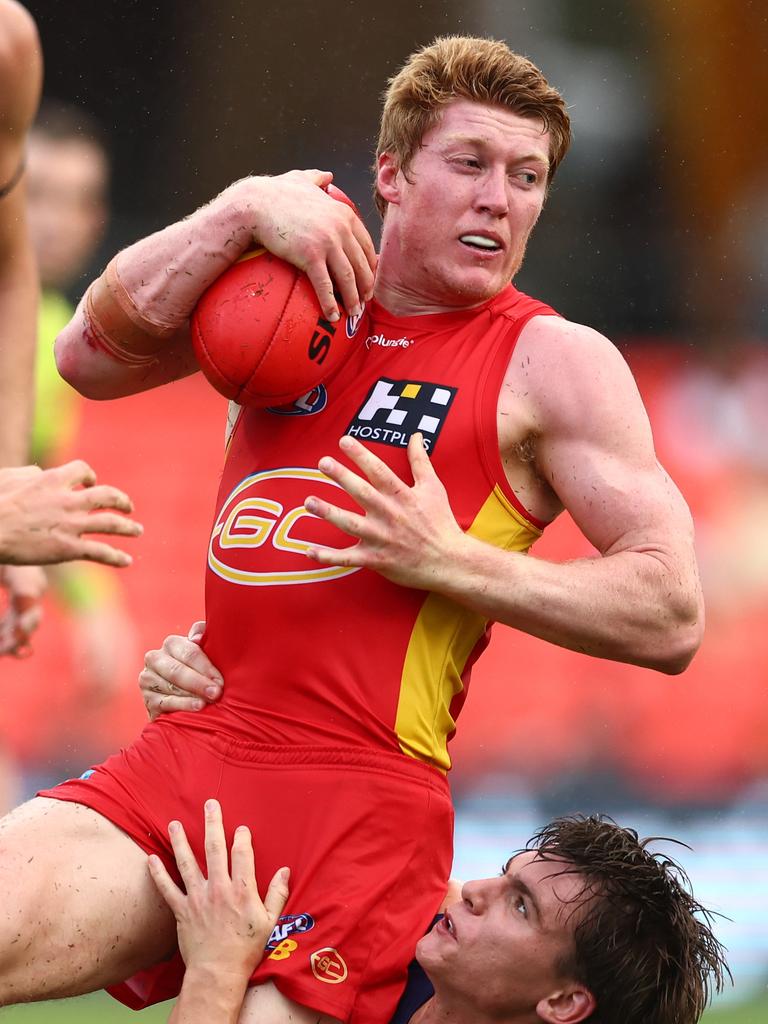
<point>25,586</point>
<point>179,677</point>
<point>408,534</point>
<point>44,515</point>
<point>222,922</point>
<point>297,220</point>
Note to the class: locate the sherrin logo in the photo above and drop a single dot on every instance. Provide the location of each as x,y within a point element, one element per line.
<point>262,531</point>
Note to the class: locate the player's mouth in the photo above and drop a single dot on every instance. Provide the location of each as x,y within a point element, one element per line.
<point>482,242</point>
<point>447,926</point>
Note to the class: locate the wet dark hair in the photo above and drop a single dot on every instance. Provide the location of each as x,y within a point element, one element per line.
<point>643,945</point>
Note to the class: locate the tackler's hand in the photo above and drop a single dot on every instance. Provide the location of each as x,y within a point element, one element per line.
<point>179,676</point>
<point>407,533</point>
<point>223,924</point>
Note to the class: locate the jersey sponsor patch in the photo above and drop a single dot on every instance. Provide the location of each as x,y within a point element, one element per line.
<point>395,409</point>
<point>287,925</point>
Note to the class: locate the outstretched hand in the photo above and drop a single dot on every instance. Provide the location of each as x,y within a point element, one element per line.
<point>223,924</point>
<point>44,515</point>
<point>407,533</point>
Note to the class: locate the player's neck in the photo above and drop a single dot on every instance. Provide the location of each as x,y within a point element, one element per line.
<point>400,299</point>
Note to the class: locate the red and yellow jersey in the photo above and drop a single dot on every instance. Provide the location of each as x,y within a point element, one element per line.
<point>332,656</point>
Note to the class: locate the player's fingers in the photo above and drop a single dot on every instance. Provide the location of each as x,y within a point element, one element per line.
<point>95,551</point>
<point>419,461</point>
<point>185,859</point>
<point>196,631</point>
<point>377,471</point>
<point>167,888</point>
<point>317,177</point>
<point>352,557</point>
<point>104,496</point>
<point>73,473</point>
<point>344,275</point>
<point>160,704</point>
<point>320,279</point>
<point>350,522</point>
<point>184,664</point>
<point>355,486</point>
<point>277,893</point>
<point>111,523</point>
<point>215,844</point>
<point>243,866</point>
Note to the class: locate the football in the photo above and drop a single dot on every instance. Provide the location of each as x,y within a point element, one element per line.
<point>260,336</point>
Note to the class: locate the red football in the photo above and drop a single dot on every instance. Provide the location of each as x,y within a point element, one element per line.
<point>259,334</point>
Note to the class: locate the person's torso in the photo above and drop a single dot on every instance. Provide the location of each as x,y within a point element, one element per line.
<point>337,656</point>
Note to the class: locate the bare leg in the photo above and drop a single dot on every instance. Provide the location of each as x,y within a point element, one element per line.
<point>78,909</point>
<point>263,1004</point>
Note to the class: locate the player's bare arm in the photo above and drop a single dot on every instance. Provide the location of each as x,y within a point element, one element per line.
<point>131,330</point>
<point>21,70</point>
<point>638,601</point>
<point>223,924</point>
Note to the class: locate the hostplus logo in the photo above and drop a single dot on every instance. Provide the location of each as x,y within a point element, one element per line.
<point>395,409</point>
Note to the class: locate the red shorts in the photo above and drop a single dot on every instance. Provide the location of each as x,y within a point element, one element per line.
<point>367,835</point>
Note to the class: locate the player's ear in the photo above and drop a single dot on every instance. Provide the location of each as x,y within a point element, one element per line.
<point>388,178</point>
<point>567,1005</point>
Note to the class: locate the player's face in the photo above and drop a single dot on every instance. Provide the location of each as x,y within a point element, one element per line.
<point>500,948</point>
<point>457,225</point>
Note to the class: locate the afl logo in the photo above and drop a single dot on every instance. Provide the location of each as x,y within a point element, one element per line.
<point>307,405</point>
<point>262,531</point>
<point>353,322</point>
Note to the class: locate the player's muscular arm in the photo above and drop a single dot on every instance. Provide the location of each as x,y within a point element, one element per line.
<point>131,331</point>
<point>638,601</point>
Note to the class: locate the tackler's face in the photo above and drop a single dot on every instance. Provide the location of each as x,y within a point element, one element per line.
<point>504,949</point>
<point>458,219</point>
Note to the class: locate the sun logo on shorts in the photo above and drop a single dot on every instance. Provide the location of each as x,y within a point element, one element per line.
<point>328,965</point>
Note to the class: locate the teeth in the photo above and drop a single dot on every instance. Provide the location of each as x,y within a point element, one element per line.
<point>480,240</point>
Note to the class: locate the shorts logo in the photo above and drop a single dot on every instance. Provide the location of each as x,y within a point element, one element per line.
<point>262,531</point>
<point>395,409</point>
<point>328,965</point>
<point>287,925</point>
<point>88,773</point>
<point>307,405</point>
<point>283,950</point>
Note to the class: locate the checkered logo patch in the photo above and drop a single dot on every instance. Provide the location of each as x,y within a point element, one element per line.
<point>395,409</point>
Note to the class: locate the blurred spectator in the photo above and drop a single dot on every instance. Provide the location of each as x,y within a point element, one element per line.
<point>68,208</point>
<point>68,178</point>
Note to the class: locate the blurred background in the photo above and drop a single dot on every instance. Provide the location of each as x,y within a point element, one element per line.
<point>656,233</point>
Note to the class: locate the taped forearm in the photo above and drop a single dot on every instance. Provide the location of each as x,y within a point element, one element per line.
<point>148,291</point>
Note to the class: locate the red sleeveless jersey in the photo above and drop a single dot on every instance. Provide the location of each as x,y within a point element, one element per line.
<point>332,656</point>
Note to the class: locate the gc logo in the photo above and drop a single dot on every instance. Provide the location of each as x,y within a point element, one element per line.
<point>263,531</point>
